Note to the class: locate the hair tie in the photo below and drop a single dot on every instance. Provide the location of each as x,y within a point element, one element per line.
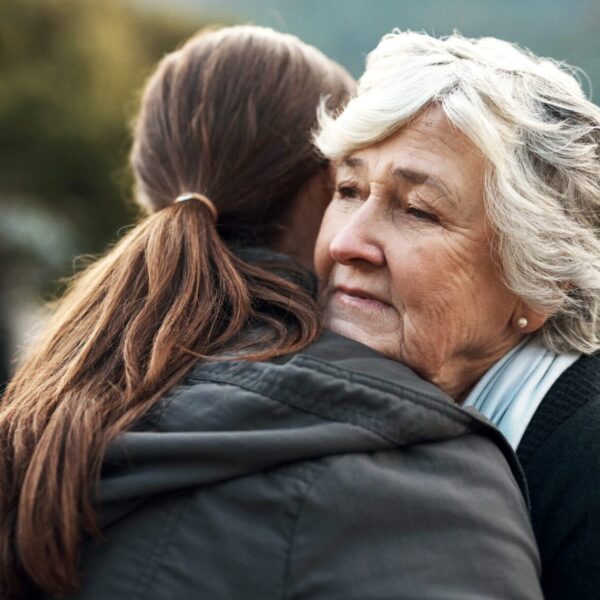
<point>186,196</point>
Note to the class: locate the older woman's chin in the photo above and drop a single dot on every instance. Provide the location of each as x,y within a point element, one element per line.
<point>358,332</point>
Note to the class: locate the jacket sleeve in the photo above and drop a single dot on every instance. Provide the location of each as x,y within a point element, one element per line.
<point>441,520</point>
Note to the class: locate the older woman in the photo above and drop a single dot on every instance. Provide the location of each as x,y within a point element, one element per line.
<point>464,240</point>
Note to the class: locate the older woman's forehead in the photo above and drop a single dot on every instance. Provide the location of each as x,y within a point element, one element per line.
<point>427,151</point>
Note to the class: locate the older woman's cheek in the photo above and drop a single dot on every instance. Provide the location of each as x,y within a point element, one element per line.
<point>432,280</point>
<point>431,328</point>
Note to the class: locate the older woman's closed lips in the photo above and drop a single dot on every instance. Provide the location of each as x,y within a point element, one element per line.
<point>463,239</point>
<point>359,298</point>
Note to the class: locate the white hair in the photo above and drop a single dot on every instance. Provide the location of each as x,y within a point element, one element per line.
<point>540,135</point>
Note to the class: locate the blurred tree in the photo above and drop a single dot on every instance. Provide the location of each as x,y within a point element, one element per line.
<point>70,74</point>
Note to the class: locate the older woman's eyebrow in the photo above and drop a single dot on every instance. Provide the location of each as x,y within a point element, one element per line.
<point>351,162</point>
<point>423,178</point>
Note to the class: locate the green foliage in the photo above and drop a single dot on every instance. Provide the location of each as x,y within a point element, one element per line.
<point>70,75</point>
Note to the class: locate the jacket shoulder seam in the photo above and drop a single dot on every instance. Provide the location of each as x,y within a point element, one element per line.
<point>250,383</point>
<point>447,408</point>
<point>344,419</point>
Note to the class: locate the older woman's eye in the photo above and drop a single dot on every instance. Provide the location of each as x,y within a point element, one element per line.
<point>345,191</point>
<point>422,214</point>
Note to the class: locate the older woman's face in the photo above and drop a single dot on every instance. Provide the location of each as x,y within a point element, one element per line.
<point>404,256</point>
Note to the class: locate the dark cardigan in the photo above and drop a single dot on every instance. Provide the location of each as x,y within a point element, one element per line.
<point>560,454</point>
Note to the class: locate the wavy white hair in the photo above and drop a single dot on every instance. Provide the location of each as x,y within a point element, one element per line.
<point>540,135</point>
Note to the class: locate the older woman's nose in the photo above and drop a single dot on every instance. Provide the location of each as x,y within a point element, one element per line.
<point>358,241</point>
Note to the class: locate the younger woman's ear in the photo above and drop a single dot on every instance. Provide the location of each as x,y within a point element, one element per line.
<point>526,320</point>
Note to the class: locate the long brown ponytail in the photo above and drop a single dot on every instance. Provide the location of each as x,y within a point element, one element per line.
<point>229,116</point>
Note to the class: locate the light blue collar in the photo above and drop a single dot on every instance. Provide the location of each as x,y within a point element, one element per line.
<point>513,388</point>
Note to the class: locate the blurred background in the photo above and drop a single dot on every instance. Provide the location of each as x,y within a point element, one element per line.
<point>70,76</point>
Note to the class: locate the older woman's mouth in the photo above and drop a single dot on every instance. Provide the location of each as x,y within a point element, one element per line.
<point>358,298</point>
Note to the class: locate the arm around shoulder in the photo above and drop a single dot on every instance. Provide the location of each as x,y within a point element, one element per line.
<point>430,520</point>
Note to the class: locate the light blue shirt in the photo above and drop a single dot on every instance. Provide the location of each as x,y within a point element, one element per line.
<point>512,389</point>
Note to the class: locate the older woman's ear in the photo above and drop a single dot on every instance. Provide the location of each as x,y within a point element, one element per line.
<point>526,320</point>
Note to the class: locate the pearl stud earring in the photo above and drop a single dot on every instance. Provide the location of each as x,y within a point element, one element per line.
<point>522,323</point>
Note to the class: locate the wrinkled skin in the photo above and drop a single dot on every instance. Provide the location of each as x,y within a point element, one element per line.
<point>405,261</point>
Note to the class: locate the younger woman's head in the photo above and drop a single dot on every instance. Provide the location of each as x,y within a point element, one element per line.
<point>228,116</point>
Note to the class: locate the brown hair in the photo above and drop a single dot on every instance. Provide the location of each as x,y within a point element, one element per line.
<point>229,115</point>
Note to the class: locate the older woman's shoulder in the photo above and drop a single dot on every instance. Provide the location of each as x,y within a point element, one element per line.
<point>560,451</point>
<point>560,454</point>
<point>568,419</point>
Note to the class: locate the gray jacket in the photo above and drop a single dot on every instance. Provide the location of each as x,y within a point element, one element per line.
<point>330,474</point>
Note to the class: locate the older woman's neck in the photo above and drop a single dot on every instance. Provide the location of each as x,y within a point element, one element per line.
<point>458,378</point>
